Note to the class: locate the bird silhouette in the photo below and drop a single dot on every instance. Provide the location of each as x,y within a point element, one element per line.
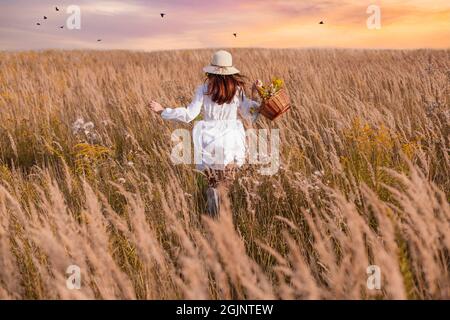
<point>162,15</point>
<point>321,22</point>
<point>235,35</point>
<point>45,18</point>
<point>62,27</point>
<point>38,24</point>
<point>56,8</point>
<point>98,40</point>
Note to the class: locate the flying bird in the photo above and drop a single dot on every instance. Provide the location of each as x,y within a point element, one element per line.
<point>62,27</point>
<point>38,24</point>
<point>162,15</point>
<point>56,8</point>
<point>98,40</point>
<point>45,18</point>
<point>235,35</point>
<point>321,22</point>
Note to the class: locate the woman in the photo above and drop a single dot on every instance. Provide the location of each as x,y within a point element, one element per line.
<point>219,139</point>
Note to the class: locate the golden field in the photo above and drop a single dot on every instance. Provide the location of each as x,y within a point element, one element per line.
<point>365,179</point>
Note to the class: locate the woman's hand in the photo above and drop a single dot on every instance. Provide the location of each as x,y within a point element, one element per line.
<point>256,85</point>
<point>156,107</point>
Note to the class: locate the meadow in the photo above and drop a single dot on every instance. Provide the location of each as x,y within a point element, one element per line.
<point>86,179</point>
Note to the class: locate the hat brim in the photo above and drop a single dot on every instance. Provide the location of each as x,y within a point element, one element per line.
<point>225,71</point>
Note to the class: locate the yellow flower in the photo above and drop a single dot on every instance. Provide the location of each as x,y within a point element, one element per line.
<point>269,90</point>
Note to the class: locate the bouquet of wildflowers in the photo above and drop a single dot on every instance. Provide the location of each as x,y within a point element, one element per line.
<point>268,91</point>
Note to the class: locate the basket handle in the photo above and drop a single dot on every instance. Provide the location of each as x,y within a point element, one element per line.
<point>254,89</point>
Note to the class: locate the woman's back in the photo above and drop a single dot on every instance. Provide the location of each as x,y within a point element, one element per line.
<point>214,111</point>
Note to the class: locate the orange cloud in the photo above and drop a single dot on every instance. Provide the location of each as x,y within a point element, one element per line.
<point>404,24</point>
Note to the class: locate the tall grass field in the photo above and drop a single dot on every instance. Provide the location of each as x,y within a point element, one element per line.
<point>86,179</point>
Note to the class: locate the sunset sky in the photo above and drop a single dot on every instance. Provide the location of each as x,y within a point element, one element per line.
<point>137,24</point>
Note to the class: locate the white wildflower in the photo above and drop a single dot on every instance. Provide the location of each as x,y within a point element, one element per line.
<point>77,125</point>
<point>319,173</point>
<point>88,126</point>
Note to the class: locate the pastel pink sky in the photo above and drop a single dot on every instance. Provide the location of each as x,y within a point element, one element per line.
<point>137,25</point>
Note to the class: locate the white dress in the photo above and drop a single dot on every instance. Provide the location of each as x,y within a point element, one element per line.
<point>219,139</point>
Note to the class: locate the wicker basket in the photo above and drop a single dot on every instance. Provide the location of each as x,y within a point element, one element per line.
<point>276,105</point>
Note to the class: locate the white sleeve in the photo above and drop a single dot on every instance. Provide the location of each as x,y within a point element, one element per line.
<point>247,107</point>
<point>186,114</point>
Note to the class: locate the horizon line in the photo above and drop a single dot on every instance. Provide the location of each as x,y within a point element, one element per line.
<point>229,48</point>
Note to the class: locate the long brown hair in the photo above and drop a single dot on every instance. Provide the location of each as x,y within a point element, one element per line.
<point>222,88</point>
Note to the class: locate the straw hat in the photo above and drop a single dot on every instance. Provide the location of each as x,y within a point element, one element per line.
<point>222,63</point>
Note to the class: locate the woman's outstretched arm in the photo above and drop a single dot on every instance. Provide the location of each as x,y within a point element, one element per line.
<point>181,114</point>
